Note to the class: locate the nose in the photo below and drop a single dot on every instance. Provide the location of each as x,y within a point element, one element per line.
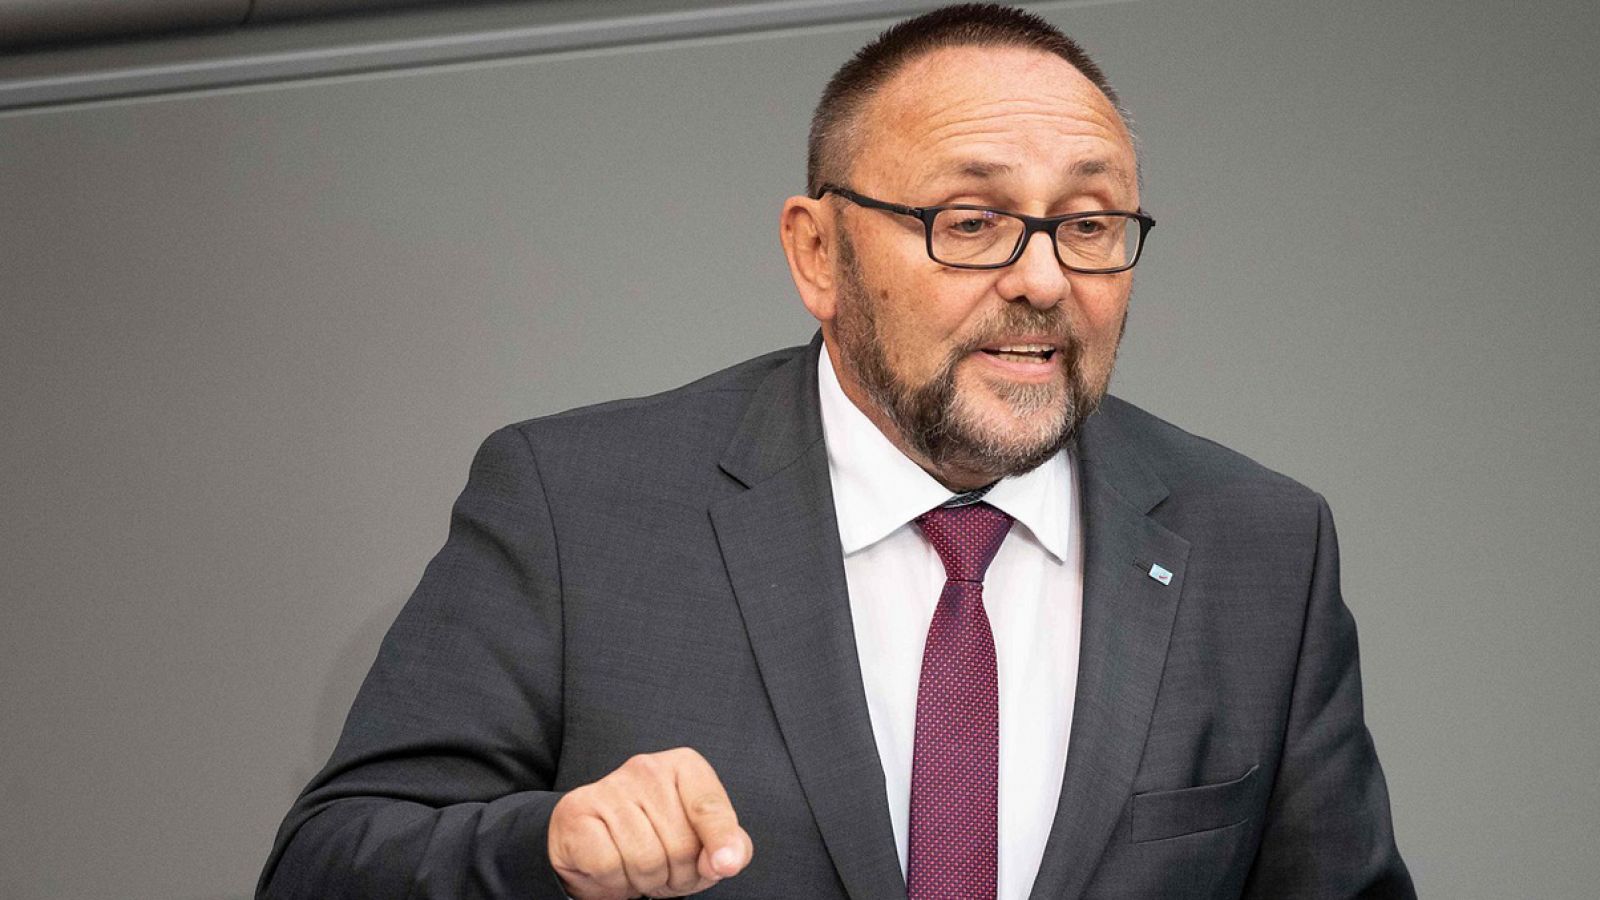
<point>1037,276</point>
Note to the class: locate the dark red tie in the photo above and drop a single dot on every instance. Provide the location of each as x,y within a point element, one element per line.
<point>955,761</point>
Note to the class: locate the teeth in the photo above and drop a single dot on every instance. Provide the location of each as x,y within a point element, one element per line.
<point>1037,354</point>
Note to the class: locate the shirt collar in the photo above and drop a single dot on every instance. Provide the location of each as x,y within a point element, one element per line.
<point>877,489</point>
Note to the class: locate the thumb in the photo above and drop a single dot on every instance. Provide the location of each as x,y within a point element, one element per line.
<point>719,861</point>
<point>725,848</point>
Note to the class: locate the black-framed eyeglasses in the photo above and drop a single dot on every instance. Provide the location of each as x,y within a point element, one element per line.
<point>981,237</point>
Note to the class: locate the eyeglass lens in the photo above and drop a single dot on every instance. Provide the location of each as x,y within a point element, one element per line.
<point>978,237</point>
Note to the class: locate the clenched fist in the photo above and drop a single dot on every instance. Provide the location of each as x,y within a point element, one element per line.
<point>661,825</point>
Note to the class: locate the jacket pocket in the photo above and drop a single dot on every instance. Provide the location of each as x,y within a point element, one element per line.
<point>1166,814</point>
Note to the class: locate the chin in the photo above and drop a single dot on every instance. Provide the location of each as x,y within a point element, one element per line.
<point>1019,407</point>
<point>1010,431</point>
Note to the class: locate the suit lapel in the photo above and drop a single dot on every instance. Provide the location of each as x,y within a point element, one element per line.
<point>780,543</point>
<point>1127,621</point>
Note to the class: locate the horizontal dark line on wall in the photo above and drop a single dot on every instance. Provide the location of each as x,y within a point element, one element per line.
<point>154,67</point>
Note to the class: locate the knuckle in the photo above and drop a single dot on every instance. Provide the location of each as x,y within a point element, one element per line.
<point>575,803</point>
<point>648,768</point>
<point>588,845</point>
<point>603,796</point>
<point>708,805</point>
<point>687,756</point>
<point>630,772</point>
<point>683,850</point>
<point>684,847</point>
<point>650,871</point>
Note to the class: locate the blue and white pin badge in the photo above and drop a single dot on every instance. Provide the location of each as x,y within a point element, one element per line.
<point>1160,574</point>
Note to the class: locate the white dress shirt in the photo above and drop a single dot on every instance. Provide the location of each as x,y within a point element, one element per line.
<point>1033,594</point>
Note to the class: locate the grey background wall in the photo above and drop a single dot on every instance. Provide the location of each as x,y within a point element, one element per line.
<point>249,339</point>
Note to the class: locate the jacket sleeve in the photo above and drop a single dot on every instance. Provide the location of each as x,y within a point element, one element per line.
<point>440,785</point>
<point>1327,832</point>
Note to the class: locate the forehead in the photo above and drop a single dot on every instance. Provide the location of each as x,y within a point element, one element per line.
<point>998,113</point>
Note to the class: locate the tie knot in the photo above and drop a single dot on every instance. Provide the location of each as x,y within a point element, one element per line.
<point>965,537</point>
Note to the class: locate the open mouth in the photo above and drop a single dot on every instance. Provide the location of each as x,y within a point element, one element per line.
<point>1023,353</point>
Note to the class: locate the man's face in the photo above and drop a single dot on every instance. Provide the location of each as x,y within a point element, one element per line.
<point>923,343</point>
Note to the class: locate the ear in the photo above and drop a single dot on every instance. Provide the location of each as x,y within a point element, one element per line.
<point>804,228</point>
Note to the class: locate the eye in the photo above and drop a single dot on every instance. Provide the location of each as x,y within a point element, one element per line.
<point>968,222</point>
<point>1096,231</point>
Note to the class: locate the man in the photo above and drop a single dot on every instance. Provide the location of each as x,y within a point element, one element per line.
<point>906,612</point>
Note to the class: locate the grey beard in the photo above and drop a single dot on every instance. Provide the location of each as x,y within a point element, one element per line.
<point>934,419</point>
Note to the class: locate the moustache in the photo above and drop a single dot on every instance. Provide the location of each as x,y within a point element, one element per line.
<point>1051,324</point>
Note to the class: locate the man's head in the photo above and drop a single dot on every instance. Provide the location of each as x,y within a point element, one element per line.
<point>967,105</point>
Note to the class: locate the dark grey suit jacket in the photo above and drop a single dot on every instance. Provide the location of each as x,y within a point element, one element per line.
<point>666,572</point>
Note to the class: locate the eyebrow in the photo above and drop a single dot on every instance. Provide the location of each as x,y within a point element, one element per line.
<point>980,169</point>
<point>989,170</point>
<point>1089,168</point>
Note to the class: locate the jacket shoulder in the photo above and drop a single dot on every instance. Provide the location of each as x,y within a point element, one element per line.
<point>1194,466</point>
<point>741,378</point>
<point>663,437</point>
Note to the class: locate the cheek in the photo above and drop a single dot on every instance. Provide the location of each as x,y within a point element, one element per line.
<point>911,343</point>
<point>1103,306</point>
<point>922,309</point>
<point>921,324</point>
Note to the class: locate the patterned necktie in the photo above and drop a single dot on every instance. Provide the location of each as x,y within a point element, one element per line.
<point>955,759</point>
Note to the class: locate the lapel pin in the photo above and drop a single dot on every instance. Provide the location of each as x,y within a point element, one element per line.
<point>1160,574</point>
